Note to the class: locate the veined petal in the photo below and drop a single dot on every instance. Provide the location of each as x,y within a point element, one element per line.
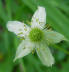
<point>39,18</point>
<point>19,28</point>
<point>24,49</point>
<point>54,37</point>
<point>45,55</point>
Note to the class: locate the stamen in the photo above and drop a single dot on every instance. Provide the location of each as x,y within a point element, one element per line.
<point>20,33</point>
<point>37,20</point>
<point>36,35</point>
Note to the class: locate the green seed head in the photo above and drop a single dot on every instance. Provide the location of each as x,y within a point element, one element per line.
<point>36,35</point>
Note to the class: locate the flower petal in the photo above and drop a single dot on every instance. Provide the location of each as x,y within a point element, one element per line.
<point>18,28</point>
<point>45,55</point>
<point>39,18</point>
<point>54,37</point>
<point>24,49</point>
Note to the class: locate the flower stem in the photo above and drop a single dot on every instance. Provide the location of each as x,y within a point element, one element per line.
<point>22,67</point>
<point>62,49</point>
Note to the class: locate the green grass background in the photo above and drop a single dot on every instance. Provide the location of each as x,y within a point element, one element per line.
<point>22,10</point>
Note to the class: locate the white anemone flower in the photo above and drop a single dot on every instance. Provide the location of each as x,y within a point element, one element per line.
<point>35,37</point>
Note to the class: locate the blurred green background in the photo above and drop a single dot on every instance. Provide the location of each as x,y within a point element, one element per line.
<point>22,10</point>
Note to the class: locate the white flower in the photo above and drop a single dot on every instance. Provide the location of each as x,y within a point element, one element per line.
<point>35,37</point>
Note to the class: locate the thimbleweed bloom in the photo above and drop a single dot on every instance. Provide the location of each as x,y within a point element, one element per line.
<point>35,37</point>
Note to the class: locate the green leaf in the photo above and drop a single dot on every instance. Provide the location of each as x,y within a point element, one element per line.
<point>8,8</point>
<point>2,12</point>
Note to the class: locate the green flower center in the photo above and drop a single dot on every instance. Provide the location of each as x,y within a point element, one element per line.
<point>36,35</point>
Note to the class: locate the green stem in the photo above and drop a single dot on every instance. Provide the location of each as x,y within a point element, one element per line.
<point>22,65</point>
<point>65,51</point>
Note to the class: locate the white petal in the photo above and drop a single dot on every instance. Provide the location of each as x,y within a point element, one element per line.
<point>18,28</point>
<point>45,55</point>
<point>24,49</point>
<point>39,18</point>
<point>54,37</point>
